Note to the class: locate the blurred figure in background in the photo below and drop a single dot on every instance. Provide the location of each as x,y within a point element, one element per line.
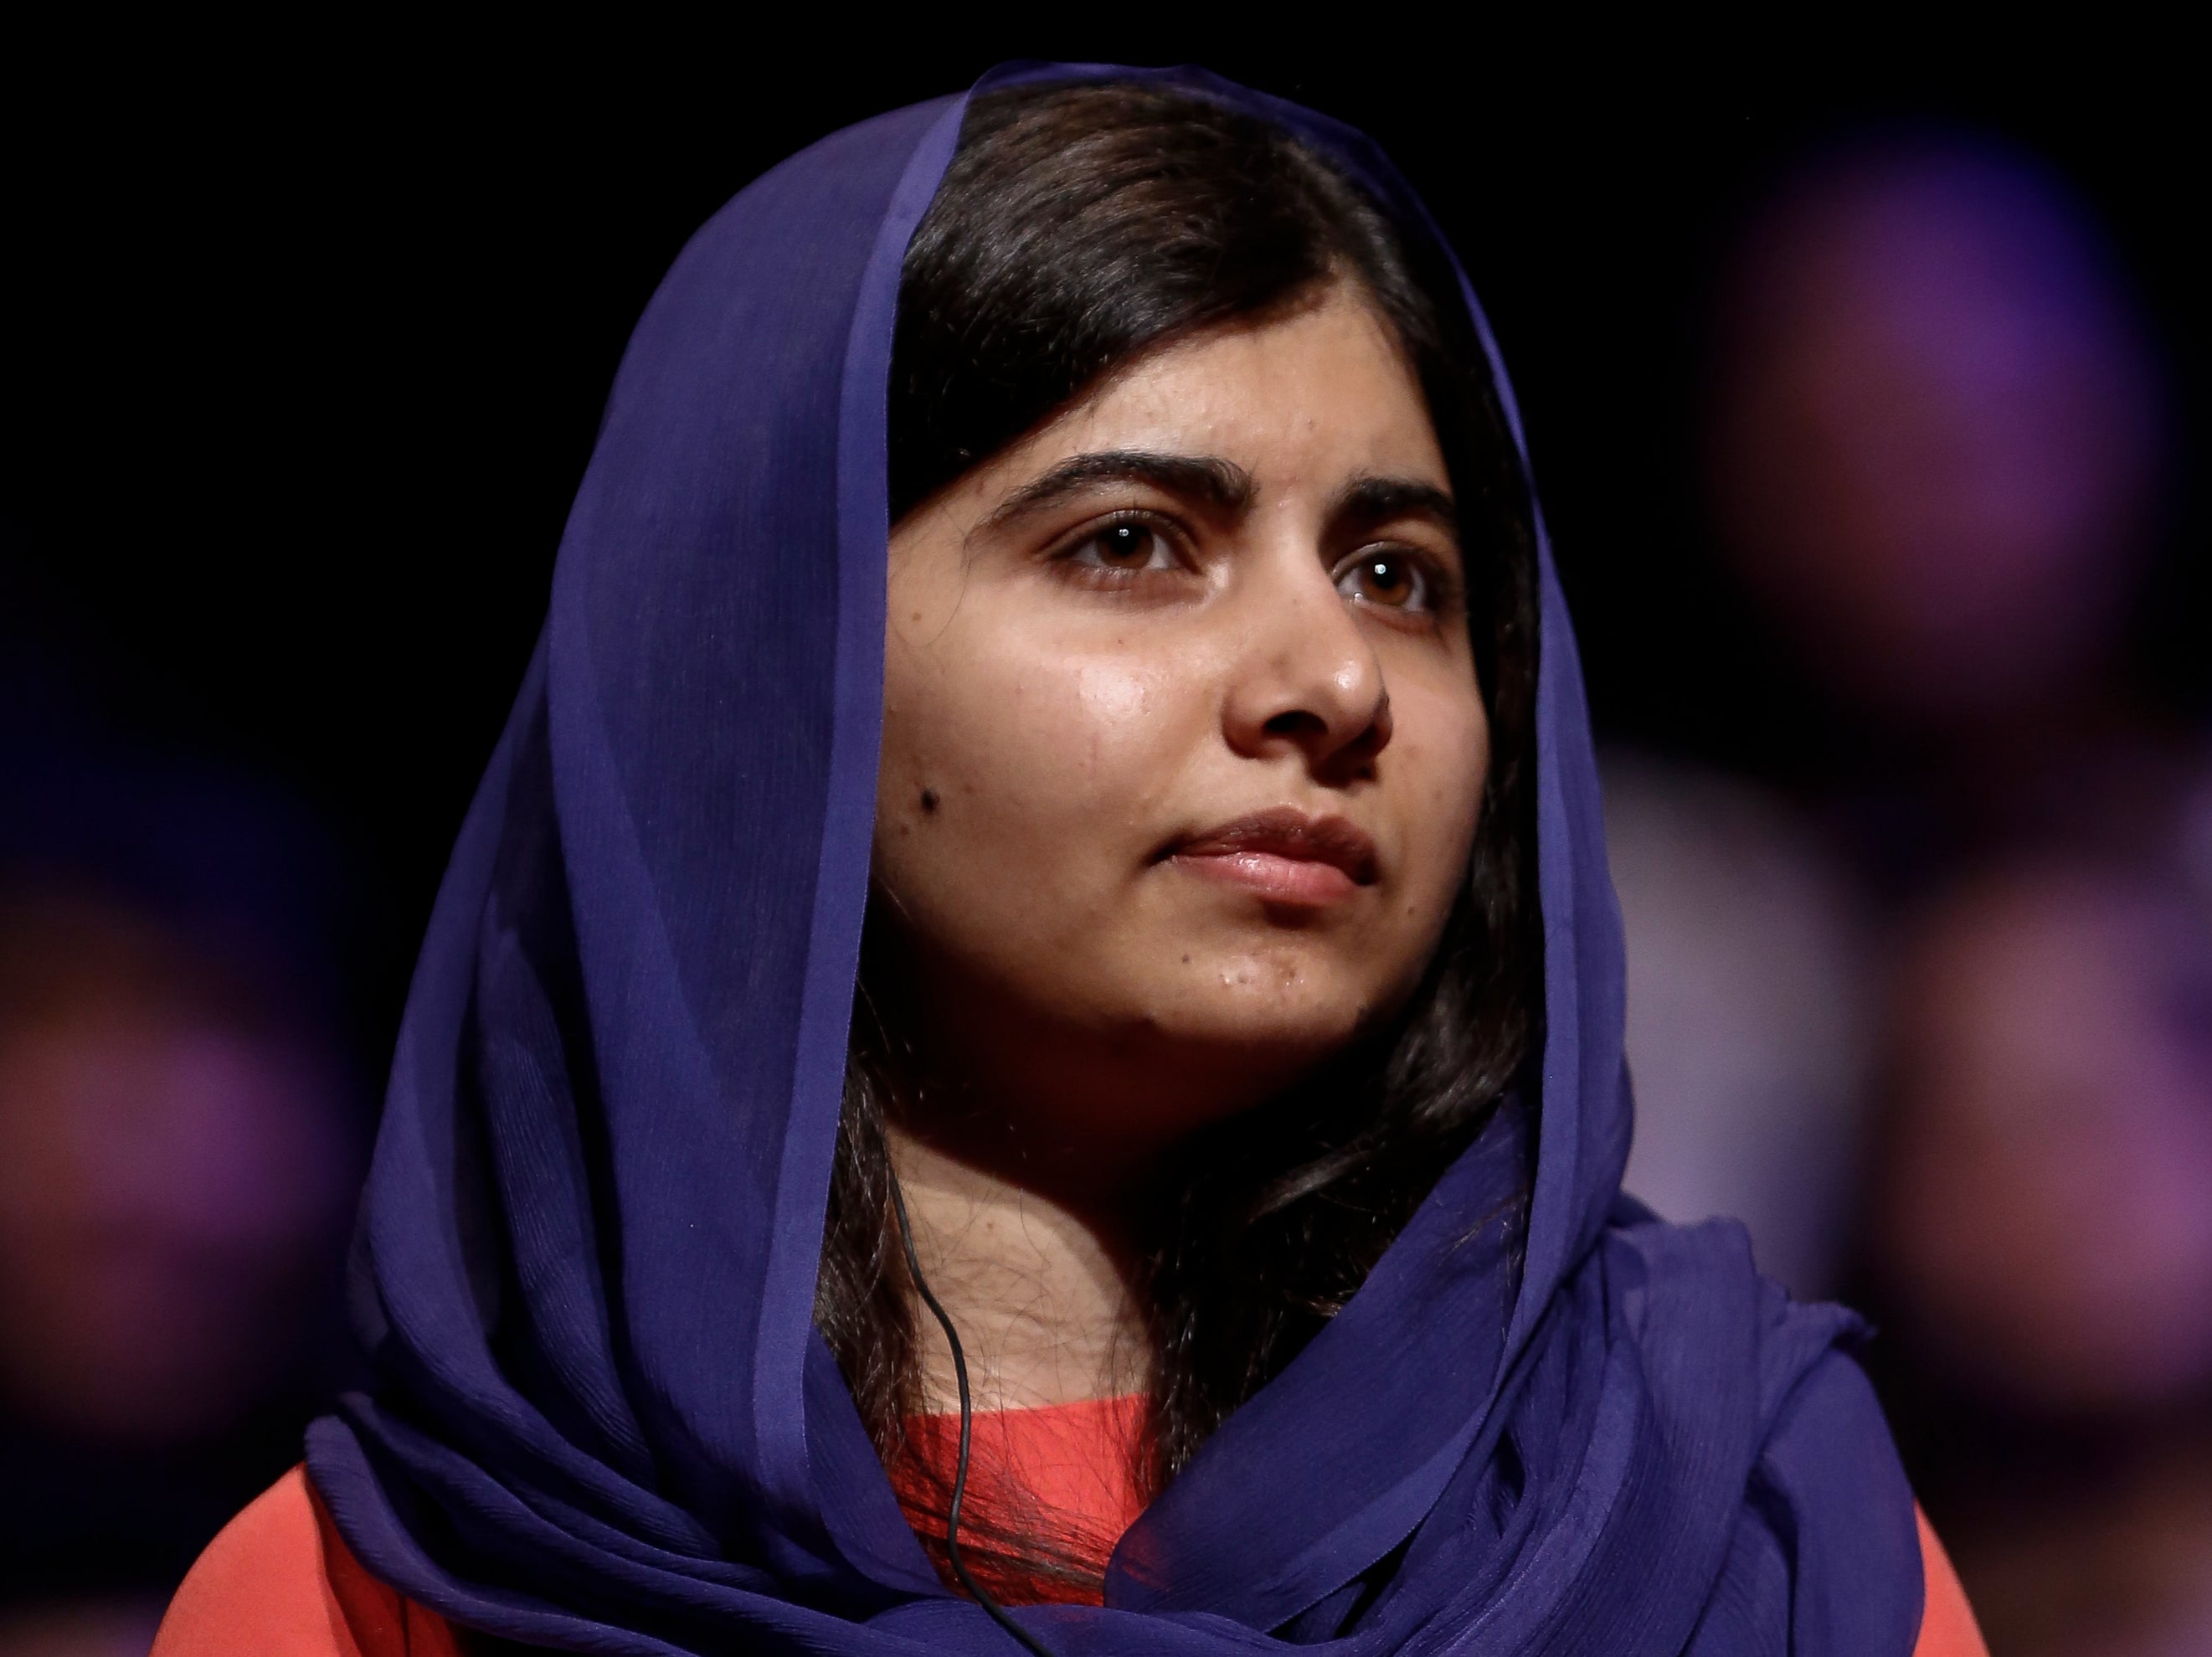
<point>1938,452</point>
<point>1936,444</point>
<point>2046,1216</point>
<point>2041,1230</point>
<point>1937,447</point>
<point>1747,1019</point>
<point>179,1139</point>
<point>1938,440</point>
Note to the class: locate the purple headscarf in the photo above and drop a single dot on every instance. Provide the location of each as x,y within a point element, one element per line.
<point>604,1421</point>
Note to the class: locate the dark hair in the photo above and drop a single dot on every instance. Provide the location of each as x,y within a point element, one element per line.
<point>1077,227</point>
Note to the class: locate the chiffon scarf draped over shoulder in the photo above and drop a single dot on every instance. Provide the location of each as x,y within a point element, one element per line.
<point>602,1419</point>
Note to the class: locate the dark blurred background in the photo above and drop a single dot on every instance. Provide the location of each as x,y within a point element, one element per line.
<point>1865,379</point>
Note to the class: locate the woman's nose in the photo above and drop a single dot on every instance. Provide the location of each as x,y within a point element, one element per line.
<point>1307,681</point>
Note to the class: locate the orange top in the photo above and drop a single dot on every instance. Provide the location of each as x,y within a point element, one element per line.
<point>279,1581</point>
<point>1050,1493</point>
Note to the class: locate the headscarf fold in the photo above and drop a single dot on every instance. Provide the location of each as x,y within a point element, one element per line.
<point>603,1420</point>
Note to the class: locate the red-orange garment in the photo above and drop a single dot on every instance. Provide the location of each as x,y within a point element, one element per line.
<point>1948,1627</point>
<point>1050,1492</point>
<point>279,1582</point>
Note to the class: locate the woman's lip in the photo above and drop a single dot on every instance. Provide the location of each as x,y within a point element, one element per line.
<point>1283,855</point>
<point>1272,876</point>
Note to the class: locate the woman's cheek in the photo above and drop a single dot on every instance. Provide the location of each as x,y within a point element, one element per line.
<point>1079,742</point>
<point>983,769</point>
<point>1110,697</point>
<point>1126,743</point>
<point>1445,762</point>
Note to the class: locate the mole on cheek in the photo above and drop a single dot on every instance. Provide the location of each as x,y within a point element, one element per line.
<point>929,801</point>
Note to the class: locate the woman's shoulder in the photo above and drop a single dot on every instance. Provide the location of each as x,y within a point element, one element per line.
<point>279,1580</point>
<point>1948,1627</point>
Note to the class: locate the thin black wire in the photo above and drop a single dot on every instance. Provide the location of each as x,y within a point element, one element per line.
<point>1028,1642</point>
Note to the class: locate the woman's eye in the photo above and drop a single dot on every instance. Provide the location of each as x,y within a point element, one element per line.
<point>1392,580</point>
<point>1123,546</point>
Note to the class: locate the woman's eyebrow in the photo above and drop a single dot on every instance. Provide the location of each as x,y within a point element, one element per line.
<point>1379,499</point>
<point>1218,485</point>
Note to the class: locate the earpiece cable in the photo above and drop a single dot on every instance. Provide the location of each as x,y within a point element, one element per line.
<point>1028,1642</point>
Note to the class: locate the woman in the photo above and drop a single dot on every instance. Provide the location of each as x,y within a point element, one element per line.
<point>1187,1208</point>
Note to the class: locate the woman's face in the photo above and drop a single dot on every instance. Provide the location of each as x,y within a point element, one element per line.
<point>1182,744</point>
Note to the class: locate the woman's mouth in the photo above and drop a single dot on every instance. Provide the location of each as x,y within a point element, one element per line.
<point>1283,856</point>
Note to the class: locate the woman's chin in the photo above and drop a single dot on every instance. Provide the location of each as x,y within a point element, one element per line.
<point>1239,1044</point>
<point>1299,991</point>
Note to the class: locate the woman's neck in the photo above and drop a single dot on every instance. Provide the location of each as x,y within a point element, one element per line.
<point>1040,1289</point>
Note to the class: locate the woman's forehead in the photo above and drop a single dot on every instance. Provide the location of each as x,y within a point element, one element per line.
<point>1312,396</point>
